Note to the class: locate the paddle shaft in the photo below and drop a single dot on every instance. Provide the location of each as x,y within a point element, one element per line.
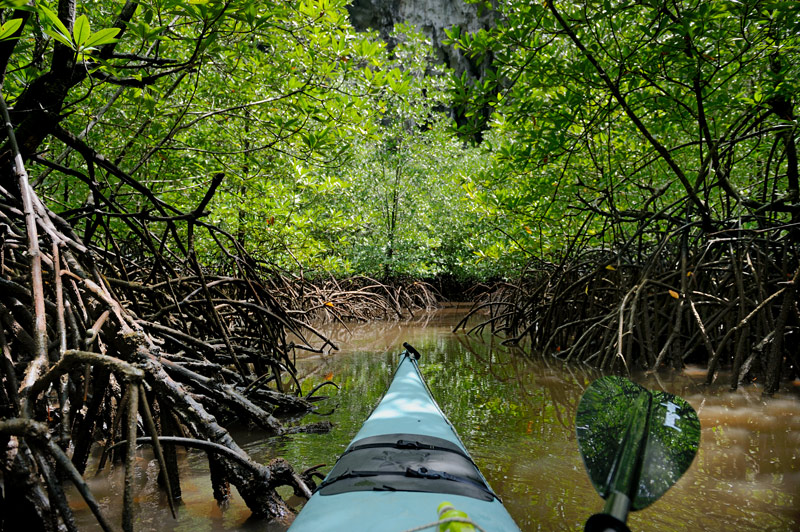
<point>660,435</point>
<point>623,478</point>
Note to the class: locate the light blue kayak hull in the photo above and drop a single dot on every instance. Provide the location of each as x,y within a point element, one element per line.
<point>406,409</point>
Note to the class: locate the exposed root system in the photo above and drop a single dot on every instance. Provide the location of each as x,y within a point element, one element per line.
<point>725,301</point>
<point>356,299</point>
<point>101,345</point>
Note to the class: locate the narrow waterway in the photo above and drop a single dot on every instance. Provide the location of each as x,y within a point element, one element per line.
<point>516,416</point>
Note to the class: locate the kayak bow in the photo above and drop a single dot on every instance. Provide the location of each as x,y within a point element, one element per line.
<point>406,461</point>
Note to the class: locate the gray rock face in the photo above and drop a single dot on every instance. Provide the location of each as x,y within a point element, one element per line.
<point>430,16</point>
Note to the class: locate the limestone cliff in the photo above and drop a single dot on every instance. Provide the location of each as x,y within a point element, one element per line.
<point>430,16</point>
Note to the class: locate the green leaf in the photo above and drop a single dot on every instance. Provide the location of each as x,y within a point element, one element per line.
<point>57,31</point>
<point>104,36</point>
<point>54,20</point>
<point>9,28</point>
<point>81,31</point>
<point>59,37</point>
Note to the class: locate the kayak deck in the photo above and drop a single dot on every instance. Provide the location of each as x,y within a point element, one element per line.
<point>405,461</point>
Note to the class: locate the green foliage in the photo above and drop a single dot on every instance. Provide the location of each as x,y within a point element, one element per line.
<point>381,194</point>
<point>609,112</point>
<point>269,94</point>
<point>339,153</point>
<point>56,29</point>
<point>403,189</point>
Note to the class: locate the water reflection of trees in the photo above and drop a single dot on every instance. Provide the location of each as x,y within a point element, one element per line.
<point>745,474</point>
<point>537,383</point>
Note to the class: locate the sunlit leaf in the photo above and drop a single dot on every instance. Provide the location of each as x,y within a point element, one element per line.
<point>9,28</point>
<point>59,37</point>
<point>58,30</point>
<point>81,30</point>
<point>104,36</point>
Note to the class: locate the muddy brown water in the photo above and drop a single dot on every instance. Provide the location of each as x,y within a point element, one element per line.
<point>516,416</point>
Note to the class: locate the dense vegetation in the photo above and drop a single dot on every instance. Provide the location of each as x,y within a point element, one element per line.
<point>183,185</point>
<point>650,148</point>
<point>162,165</point>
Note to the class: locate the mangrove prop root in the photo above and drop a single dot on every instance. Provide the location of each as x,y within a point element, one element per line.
<point>659,300</point>
<point>95,333</point>
<point>40,433</point>
<point>114,307</point>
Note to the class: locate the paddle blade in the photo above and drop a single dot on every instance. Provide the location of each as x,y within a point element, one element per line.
<point>610,410</point>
